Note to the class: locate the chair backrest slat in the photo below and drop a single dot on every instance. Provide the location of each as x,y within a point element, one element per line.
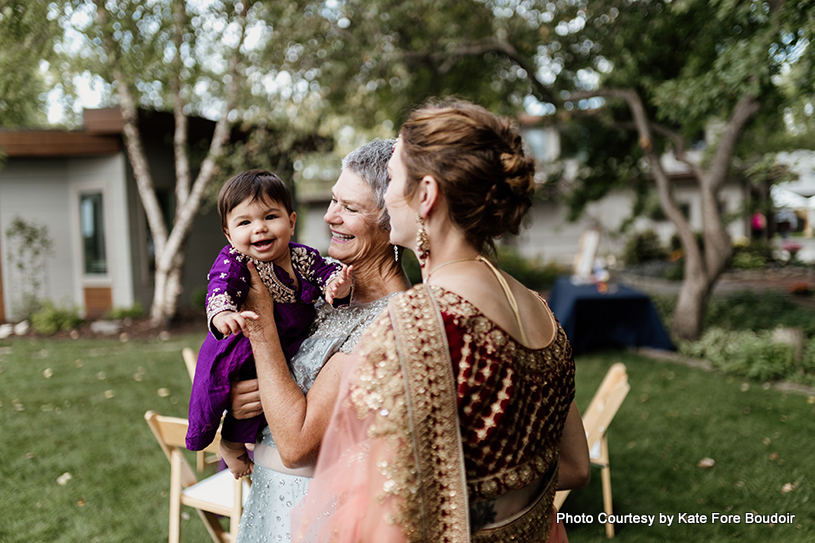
<point>605,403</point>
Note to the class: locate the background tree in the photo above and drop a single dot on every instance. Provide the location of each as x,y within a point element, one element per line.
<point>217,60</point>
<point>145,48</point>
<point>673,72</point>
<point>375,59</point>
<point>27,34</point>
<point>629,81</point>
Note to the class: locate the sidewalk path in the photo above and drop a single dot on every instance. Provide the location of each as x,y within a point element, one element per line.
<point>778,279</point>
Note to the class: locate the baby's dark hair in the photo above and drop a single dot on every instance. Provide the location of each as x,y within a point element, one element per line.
<point>254,185</point>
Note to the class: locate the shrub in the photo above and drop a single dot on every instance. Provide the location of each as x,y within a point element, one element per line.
<point>808,358</point>
<point>50,319</point>
<point>748,261</point>
<point>767,359</point>
<point>755,310</point>
<point>719,347</point>
<point>752,254</point>
<point>746,310</point>
<point>675,244</point>
<point>801,288</point>
<point>119,313</point>
<point>665,305</point>
<point>198,298</point>
<point>677,271</point>
<point>530,272</point>
<point>642,247</point>
<point>743,352</point>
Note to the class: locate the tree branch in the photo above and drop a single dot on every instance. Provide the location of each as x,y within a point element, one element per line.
<point>182,162</point>
<point>679,148</point>
<point>443,62</point>
<point>744,110</point>
<point>663,184</point>
<point>186,214</point>
<point>132,138</point>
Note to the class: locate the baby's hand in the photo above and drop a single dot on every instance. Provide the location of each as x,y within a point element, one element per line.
<point>229,322</point>
<point>339,286</point>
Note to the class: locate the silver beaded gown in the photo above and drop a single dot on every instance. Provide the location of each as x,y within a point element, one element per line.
<point>274,494</point>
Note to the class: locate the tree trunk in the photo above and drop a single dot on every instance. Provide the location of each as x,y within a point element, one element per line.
<point>167,290</point>
<point>702,271</point>
<point>691,304</point>
<point>170,248</point>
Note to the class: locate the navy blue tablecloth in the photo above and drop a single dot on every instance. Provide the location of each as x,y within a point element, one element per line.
<point>622,317</point>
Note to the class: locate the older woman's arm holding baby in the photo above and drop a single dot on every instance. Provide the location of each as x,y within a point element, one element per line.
<point>297,421</point>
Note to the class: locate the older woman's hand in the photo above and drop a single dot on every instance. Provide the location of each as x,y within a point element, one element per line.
<point>259,305</point>
<point>244,399</point>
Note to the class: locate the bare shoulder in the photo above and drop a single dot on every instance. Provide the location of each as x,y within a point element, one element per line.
<point>538,321</point>
<point>481,288</point>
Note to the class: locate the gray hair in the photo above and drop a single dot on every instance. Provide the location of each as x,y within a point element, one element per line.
<point>370,162</point>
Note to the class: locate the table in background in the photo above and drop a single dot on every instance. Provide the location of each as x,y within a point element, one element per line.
<point>620,317</point>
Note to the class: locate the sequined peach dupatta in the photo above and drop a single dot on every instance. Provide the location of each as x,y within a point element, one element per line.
<point>391,466</point>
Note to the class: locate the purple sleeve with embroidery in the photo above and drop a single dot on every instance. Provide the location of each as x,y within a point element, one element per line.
<point>228,286</point>
<point>312,266</point>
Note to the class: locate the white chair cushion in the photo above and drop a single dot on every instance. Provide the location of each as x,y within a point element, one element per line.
<point>217,489</point>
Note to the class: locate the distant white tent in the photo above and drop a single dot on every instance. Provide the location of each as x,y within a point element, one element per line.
<point>784,198</point>
<point>802,163</point>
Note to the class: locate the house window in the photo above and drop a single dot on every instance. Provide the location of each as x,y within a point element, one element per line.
<point>92,222</point>
<point>685,209</point>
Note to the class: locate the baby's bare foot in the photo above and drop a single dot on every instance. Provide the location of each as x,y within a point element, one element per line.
<point>236,458</point>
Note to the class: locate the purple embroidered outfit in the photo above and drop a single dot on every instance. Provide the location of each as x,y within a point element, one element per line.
<point>222,360</point>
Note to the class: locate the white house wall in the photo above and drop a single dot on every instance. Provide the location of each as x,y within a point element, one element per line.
<point>46,192</point>
<point>37,190</point>
<point>550,236</point>
<point>311,229</point>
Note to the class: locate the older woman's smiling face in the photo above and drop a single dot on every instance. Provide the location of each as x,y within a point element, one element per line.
<point>353,219</point>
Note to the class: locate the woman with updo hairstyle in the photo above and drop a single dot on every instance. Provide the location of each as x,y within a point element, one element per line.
<point>456,418</point>
<point>479,162</point>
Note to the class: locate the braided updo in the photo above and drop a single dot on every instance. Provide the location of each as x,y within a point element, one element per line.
<point>479,163</point>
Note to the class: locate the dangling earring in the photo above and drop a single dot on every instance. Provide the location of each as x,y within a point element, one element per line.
<point>396,253</point>
<point>422,242</point>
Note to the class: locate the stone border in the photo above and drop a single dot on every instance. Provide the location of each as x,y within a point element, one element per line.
<point>670,356</point>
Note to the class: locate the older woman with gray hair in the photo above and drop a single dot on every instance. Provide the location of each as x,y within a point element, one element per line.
<point>297,401</point>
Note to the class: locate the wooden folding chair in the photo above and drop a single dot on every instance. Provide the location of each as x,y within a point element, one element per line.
<point>596,419</point>
<point>190,360</point>
<point>201,459</point>
<point>219,494</point>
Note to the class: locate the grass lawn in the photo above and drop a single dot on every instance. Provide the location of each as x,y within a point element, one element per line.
<point>760,439</point>
<point>77,407</point>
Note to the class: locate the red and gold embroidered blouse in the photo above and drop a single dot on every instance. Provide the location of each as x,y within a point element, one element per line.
<point>512,400</point>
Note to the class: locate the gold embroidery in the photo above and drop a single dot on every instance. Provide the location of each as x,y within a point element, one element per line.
<point>513,402</point>
<point>426,472</point>
<point>434,411</point>
<point>218,303</point>
<point>509,387</point>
